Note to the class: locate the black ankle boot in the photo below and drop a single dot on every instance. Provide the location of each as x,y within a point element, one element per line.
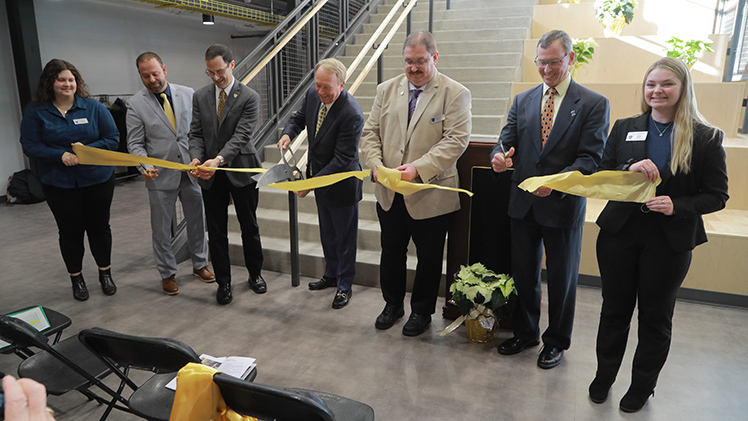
<point>107,284</point>
<point>600,389</point>
<point>635,399</point>
<point>80,292</point>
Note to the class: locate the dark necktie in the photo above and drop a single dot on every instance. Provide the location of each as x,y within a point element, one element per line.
<point>221,103</point>
<point>413,101</point>
<point>546,117</point>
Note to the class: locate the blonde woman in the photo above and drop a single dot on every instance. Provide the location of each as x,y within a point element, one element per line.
<point>644,250</point>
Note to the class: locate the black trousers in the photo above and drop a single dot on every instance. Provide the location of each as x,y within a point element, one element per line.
<point>563,248</point>
<point>338,233</point>
<point>638,264</point>
<point>398,227</point>
<point>82,211</point>
<point>216,200</point>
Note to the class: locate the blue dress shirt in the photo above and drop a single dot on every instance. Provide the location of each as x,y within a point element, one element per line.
<point>46,135</point>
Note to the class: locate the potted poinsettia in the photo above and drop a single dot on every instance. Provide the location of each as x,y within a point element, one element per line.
<point>614,15</point>
<point>482,296</point>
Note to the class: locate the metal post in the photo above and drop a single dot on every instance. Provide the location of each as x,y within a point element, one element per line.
<point>407,26</point>
<point>447,4</point>
<point>431,16</point>
<point>380,69</point>
<point>293,237</point>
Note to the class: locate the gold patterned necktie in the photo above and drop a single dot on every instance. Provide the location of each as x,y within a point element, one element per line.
<point>546,117</point>
<point>169,112</point>
<point>221,103</point>
<point>320,118</point>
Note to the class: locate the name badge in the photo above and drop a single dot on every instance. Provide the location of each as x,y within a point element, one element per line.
<point>636,137</point>
<point>78,121</point>
<point>438,118</point>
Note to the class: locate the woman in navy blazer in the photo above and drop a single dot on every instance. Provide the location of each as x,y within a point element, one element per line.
<point>79,196</point>
<point>644,250</point>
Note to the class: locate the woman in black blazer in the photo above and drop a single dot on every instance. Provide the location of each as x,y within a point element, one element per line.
<point>644,250</point>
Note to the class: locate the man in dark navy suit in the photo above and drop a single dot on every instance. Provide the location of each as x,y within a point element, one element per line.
<point>556,127</point>
<point>333,120</point>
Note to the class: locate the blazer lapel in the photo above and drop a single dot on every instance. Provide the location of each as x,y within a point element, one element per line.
<point>332,114</point>
<point>176,105</point>
<point>401,106</point>
<point>532,111</point>
<point>158,110</point>
<point>423,101</point>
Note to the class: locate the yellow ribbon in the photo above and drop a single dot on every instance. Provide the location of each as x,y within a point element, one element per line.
<point>95,156</point>
<point>621,186</point>
<point>321,181</point>
<point>198,398</point>
<point>392,179</point>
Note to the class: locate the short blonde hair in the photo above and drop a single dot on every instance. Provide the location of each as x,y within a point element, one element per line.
<point>332,65</point>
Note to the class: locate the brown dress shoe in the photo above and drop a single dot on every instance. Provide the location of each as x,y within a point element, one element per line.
<point>170,286</point>
<point>204,275</point>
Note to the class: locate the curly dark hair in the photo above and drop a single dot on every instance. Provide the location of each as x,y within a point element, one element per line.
<point>45,89</point>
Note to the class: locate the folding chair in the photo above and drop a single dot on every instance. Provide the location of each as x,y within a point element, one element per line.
<point>62,367</point>
<point>121,352</point>
<point>286,404</point>
<point>57,323</point>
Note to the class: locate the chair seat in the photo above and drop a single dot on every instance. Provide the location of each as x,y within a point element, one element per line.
<point>344,408</point>
<point>153,400</point>
<point>58,378</point>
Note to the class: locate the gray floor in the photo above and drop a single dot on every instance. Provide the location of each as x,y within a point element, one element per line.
<point>300,341</point>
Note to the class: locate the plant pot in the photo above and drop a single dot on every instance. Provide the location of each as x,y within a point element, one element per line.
<point>477,332</point>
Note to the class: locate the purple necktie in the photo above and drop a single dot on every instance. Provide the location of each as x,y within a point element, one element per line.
<point>413,101</point>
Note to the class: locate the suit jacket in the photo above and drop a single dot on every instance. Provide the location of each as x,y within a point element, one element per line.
<point>232,136</point>
<point>700,191</point>
<point>149,132</point>
<point>575,143</point>
<point>335,147</point>
<point>438,134</point>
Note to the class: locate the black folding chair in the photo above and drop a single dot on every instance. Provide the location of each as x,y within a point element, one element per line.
<point>121,352</point>
<point>57,323</point>
<point>62,367</point>
<point>287,404</point>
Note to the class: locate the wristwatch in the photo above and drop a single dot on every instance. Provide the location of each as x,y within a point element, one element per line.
<point>221,160</point>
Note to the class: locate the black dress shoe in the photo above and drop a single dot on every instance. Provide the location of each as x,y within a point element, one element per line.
<point>550,357</point>
<point>80,292</point>
<point>515,345</point>
<point>599,390</point>
<point>634,399</point>
<point>223,295</point>
<point>258,285</point>
<point>107,284</point>
<point>389,316</point>
<point>323,283</point>
<point>341,299</point>
<point>416,324</point>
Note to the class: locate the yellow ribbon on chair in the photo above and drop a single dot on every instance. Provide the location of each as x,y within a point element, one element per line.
<point>95,156</point>
<point>621,186</point>
<point>199,399</point>
<point>392,179</point>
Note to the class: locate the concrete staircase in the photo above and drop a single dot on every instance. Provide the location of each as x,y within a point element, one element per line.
<point>480,45</point>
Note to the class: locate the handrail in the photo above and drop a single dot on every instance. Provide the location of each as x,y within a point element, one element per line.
<point>296,143</point>
<point>296,28</point>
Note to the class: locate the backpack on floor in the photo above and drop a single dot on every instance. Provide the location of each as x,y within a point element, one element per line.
<point>24,187</point>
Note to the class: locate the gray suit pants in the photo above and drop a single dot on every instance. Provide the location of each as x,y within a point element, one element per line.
<point>163,211</point>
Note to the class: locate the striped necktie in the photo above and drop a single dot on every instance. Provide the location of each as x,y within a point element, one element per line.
<point>221,103</point>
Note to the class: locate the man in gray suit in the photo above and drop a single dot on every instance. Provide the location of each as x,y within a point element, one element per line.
<point>224,116</point>
<point>158,121</point>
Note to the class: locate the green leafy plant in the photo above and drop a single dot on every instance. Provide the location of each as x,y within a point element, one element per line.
<point>687,50</point>
<point>615,14</point>
<point>478,291</point>
<point>584,49</point>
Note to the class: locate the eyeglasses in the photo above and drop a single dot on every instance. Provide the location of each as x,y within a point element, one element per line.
<point>552,63</point>
<point>219,72</point>
<point>417,63</point>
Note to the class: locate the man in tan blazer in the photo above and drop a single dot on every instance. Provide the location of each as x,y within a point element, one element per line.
<point>419,125</point>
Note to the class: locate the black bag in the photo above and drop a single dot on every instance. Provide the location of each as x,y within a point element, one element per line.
<point>24,187</point>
